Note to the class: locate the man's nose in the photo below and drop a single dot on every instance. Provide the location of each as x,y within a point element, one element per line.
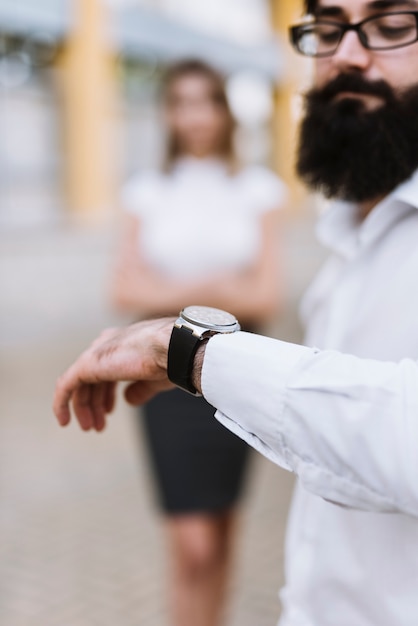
<point>351,54</point>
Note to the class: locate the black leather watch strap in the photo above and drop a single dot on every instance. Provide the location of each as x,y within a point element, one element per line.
<point>181,351</point>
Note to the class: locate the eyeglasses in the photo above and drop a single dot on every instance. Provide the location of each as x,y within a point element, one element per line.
<point>380,32</point>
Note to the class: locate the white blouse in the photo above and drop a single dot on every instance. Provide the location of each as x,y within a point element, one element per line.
<point>199,219</point>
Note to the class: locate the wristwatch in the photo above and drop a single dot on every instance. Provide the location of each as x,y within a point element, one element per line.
<point>194,325</point>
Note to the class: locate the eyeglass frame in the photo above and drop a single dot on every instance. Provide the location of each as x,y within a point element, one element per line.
<point>345,28</point>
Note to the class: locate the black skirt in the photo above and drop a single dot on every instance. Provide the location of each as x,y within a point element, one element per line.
<point>199,464</point>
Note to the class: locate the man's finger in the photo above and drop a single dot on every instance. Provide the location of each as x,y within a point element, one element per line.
<point>81,373</point>
<point>134,353</point>
<point>61,402</point>
<point>83,406</point>
<point>142,391</point>
<point>110,397</point>
<point>98,405</point>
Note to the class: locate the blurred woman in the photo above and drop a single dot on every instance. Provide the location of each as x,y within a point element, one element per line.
<point>202,230</point>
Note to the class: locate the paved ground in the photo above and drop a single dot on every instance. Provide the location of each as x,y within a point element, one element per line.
<point>80,541</point>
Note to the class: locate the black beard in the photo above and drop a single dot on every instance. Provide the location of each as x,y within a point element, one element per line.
<point>348,152</point>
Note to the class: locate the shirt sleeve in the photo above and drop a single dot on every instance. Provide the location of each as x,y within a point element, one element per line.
<point>265,190</point>
<point>348,427</point>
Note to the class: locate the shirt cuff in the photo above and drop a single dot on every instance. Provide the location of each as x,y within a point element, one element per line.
<point>244,376</point>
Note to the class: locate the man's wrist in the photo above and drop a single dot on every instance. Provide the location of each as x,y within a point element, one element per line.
<point>162,339</point>
<point>198,366</point>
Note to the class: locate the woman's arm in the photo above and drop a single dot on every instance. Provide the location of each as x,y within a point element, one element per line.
<point>137,288</point>
<point>252,295</point>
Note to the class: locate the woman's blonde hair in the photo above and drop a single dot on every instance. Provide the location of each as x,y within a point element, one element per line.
<point>196,67</point>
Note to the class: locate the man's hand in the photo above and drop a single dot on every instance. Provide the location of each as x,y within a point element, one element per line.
<point>137,354</point>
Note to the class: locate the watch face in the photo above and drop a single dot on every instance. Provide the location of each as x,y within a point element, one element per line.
<point>208,317</point>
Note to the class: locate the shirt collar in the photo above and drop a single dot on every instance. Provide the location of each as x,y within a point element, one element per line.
<point>340,229</point>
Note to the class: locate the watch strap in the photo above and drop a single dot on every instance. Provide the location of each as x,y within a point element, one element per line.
<point>182,349</point>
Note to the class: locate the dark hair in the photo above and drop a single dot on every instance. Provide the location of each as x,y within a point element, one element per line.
<point>196,67</point>
<point>310,6</point>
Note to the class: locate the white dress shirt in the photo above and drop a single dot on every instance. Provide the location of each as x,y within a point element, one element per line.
<point>347,426</point>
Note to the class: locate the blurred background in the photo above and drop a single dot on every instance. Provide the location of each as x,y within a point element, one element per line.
<point>79,84</point>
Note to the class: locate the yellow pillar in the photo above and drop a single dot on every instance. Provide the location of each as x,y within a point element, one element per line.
<point>87,110</point>
<point>284,13</point>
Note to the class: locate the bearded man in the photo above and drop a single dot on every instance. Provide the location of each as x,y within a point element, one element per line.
<point>359,145</point>
<point>347,426</point>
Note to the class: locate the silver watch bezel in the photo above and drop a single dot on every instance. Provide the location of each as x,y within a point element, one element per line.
<point>203,327</point>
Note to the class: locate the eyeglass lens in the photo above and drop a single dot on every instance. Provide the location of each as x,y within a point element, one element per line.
<point>391,30</point>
